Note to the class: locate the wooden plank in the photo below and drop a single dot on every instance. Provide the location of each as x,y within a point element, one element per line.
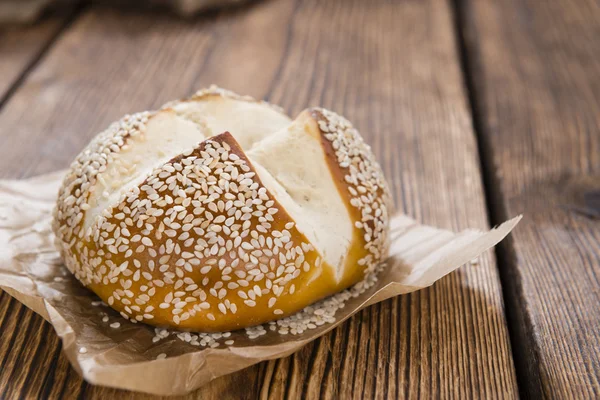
<point>22,46</point>
<point>392,67</point>
<point>536,75</point>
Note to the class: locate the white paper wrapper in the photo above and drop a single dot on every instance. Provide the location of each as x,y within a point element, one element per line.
<point>125,357</point>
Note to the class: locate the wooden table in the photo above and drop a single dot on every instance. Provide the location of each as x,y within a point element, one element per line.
<point>478,109</point>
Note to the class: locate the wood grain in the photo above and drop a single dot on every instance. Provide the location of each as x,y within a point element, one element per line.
<point>22,46</point>
<point>535,68</point>
<point>392,67</point>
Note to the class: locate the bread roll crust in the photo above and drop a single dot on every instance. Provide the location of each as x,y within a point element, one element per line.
<point>202,244</point>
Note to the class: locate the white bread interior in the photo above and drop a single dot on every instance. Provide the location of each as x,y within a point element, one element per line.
<point>302,182</point>
<point>248,121</point>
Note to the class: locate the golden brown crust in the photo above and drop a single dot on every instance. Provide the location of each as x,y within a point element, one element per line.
<point>361,184</point>
<point>203,263</point>
<point>201,243</point>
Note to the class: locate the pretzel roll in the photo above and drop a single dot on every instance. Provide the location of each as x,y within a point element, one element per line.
<point>218,212</point>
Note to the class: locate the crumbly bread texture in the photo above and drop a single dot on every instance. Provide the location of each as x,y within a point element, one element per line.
<point>218,212</point>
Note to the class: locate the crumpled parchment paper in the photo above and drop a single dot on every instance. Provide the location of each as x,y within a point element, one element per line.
<point>126,357</point>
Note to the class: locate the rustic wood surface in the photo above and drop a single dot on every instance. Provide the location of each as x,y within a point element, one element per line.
<point>22,46</point>
<point>535,68</point>
<point>394,68</point>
